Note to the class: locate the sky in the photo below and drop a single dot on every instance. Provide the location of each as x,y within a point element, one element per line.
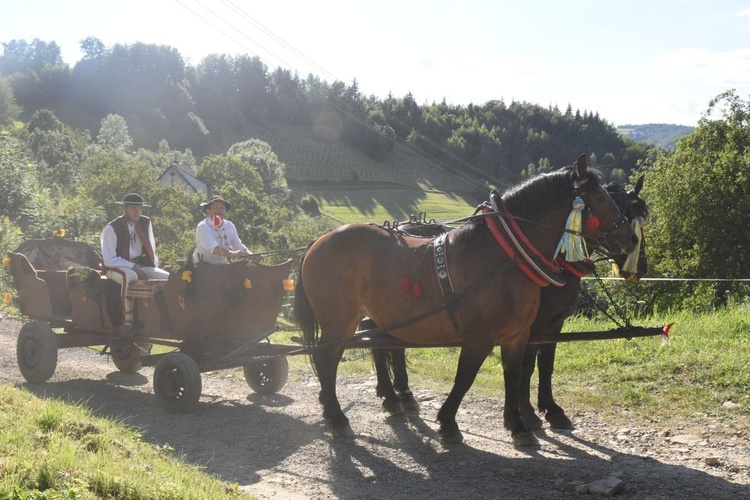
<point>633,62</point>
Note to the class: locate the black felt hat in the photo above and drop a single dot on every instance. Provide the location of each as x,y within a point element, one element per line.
<point>132,199</point>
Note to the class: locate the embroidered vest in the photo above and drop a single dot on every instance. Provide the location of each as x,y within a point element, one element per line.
<point>122,248</point>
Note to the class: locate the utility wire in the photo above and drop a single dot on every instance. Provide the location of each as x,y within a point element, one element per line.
<point>341,106</point>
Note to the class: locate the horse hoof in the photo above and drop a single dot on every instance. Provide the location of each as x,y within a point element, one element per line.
<point>408,403</point>
<point>526,438</point>
<point>532,421</point>
<point>393,407</point>
<point>558,421</point>
<point>345,432</point>
<point>452,437</point>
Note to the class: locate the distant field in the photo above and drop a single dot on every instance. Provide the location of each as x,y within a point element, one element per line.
<point>378,204</point>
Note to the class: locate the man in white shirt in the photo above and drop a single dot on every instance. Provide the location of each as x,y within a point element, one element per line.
<point>129,251</point>
<point>216,238</point>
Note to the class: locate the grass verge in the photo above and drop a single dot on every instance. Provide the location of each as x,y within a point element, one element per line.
<point>51,450</point>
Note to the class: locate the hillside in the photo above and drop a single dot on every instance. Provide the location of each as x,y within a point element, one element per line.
<point>663,135</point>
<point>312,161</point>
<point>344,179</point>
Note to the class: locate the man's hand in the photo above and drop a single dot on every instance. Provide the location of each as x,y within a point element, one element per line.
<point>139,271</point>
<point>245,255</point>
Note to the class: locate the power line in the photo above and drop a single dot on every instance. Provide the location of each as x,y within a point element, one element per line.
<point>310,61</point>
<point>728,280</point>
<point>342,107</point>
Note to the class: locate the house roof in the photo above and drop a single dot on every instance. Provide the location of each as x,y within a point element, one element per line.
<point>188,174</point>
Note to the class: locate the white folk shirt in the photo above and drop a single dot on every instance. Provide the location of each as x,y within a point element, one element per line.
<point>208,237</point>
<point>108,240</point>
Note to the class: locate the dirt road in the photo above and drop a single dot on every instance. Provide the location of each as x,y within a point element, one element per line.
<point>277,446</point>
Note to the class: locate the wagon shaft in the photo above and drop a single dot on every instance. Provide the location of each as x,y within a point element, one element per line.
<point>388,342</point>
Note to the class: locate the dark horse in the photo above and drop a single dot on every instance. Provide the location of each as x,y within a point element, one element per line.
<point>560,303</point>
<point>360,270</point>
<point>557,304</point>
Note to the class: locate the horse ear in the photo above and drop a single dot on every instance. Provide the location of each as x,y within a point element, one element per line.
<point>581,167</point>
<point>638,185</point>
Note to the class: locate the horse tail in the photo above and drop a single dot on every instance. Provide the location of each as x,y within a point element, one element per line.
<point>303,312</point>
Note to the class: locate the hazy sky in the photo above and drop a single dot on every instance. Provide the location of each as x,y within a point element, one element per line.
<point>656,61</point>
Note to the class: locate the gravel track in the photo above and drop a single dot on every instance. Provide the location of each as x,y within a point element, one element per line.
<point>277,446</point>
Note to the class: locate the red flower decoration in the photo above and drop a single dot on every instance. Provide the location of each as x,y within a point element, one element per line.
<point>405,284</point>
<point>417,290</point>
<point>593,222</point>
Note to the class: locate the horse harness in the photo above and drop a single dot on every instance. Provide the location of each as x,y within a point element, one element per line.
<point>514,243</point>
<point>518,248</point>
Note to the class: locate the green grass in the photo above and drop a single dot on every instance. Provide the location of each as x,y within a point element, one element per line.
<point>705,364</point>
<point>51,450</point>
<point>704,368</point>
<point>388,204</point>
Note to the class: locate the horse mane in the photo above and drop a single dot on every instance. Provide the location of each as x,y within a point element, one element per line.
<point>544,190</point>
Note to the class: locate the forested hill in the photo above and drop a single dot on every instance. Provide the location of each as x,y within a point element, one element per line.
<point>224,99</point>
<point>663,135</point>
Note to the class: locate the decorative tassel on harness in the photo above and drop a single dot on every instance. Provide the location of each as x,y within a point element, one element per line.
<point>631,263</point>
<point>572,243</point>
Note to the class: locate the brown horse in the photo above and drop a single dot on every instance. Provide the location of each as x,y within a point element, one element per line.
<point>484,298</point>
<point>557,304</point>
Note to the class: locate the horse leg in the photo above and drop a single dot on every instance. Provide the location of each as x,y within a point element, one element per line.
<point>469,362</point>
<point>401,380</point>
<point>384,389</point>
<point>326,360</point>
<point>528,415</point>
<point>512,356</point>
<point>546,403</point>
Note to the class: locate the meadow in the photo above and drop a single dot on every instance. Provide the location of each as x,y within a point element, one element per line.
<point>52,450</point>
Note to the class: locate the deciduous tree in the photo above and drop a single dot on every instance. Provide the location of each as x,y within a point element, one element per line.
<point>700,198</point>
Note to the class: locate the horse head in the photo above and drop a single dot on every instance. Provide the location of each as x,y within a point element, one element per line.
<point>634,265</point>
<point>603,220</point>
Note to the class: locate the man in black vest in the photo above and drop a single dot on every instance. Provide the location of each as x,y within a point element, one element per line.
<point>128,250</point>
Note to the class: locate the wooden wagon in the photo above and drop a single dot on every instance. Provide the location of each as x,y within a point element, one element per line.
<point>213,317</point>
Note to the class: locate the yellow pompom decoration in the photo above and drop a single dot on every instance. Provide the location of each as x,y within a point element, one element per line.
<point>60,232</point>
<point>288,285</point>
<point>8,297</point>
<point>572,243</point>
<point>248,283</point>
<point>187,276</point>
<point>631,263</point>
<point>6,261</point>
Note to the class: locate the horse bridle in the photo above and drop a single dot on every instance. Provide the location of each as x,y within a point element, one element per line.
<point>603,236</point>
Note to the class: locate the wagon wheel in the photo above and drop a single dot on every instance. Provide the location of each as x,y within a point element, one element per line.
<point>127,356</point>
<point>36,352</point>
<point>267,375</point>
<point>177,382</point>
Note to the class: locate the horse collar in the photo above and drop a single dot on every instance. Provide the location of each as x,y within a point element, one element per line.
<point>516,246</point>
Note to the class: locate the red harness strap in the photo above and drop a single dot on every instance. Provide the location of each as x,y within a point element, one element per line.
<point>523,261</point>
